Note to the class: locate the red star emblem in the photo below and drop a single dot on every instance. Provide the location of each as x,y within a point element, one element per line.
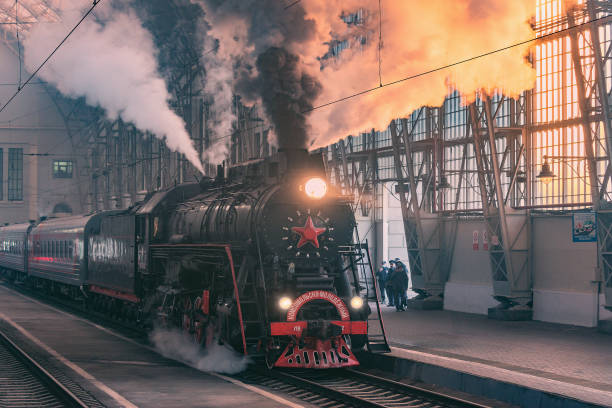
<point>308,233</point>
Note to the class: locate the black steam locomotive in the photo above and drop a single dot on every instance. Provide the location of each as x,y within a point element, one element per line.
<point>261,258</point>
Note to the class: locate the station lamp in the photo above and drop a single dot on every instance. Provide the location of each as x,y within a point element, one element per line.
<point>546,175</point>
<point>443,183</point>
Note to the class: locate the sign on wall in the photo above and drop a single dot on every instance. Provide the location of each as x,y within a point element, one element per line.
<point>584,227</point>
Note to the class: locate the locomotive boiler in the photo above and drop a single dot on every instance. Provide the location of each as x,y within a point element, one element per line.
<point>260,258</point>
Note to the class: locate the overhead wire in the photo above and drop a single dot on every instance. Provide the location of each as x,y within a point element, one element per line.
<point>18,41</point>
<point>463,61</point>
<point>95,3</point>
<point>381,85</point>
<point>292,4</point>
<point>379,43</point>
<point>25,115</point>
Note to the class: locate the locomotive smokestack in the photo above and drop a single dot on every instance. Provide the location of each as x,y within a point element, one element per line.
<point>293,159</point>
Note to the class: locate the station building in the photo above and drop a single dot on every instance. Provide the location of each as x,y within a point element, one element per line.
<point>505,189</point>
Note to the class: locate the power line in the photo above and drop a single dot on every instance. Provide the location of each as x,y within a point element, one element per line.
<point>95,3</point>
<point>216,47</point>
<point>18,42</point>
<point>292,4</point>
<point>25,115</point>
<point>365,91</point>
<point>21,22</point>
<point>379,44</point>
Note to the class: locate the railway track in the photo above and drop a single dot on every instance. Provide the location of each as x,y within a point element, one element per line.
<point>322,388</point>
<point>77,308</point>
<point>350,388</point>
<point>25,383</point>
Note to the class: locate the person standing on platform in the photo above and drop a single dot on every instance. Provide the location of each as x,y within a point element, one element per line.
<point>389,284</point>
<point>400,285</point>
<point>381,277</point>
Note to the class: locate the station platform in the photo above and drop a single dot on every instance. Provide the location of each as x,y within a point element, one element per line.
<point>529,356</point>
<point>114,370</point>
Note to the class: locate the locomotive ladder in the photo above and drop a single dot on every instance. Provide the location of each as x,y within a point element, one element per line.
<point>359,256</point>
<point>251,304</point>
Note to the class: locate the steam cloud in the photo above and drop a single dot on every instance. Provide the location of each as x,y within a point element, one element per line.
<point>216,358</point>
<point>418,36</point>
<point>111,61</point>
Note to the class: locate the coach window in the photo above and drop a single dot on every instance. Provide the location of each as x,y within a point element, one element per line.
<point>62,168</point>
<point>1,174</point>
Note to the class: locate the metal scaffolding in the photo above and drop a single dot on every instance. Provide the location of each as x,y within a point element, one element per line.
<point>482,161</point>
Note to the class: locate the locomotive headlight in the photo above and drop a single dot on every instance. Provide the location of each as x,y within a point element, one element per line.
<point>315,188</point>
<point>356,302</point>
<point>284,303</point>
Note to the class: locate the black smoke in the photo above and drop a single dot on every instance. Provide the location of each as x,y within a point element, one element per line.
<point>271,70</point>
<point>287,92</point>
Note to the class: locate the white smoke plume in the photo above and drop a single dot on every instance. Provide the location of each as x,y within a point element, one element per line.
<point>222,55</point>
<point>215,358</point>
<point>111,61</point>
<point>417,36</point>
<point>219,80</point>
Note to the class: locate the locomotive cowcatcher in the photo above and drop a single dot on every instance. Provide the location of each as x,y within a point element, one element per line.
<point>261,258</point>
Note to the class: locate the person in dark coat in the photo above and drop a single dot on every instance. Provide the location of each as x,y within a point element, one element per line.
<point>399,279</point>
<point>381,277</point>
<point>389,284</point>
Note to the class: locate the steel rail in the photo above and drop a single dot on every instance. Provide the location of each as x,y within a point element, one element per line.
<point>52,385</point>
<point>388,383</point>
<point>357,389</point>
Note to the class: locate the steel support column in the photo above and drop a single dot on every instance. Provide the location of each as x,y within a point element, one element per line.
<point>601,107</point>
<point>508,232</point>
<point>584,106</point>
<point>425,233</point>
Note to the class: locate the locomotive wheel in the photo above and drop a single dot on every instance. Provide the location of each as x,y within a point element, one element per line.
<point>272,356</point>
<point>193,325</point>
<point>199,327</point>
<point>187,316</point>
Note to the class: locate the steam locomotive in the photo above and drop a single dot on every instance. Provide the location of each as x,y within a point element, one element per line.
<point>260,258</point>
